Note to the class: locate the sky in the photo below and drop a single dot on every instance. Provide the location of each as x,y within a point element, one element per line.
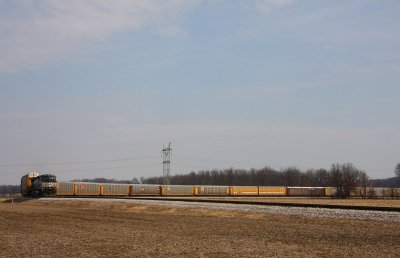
<point>95,88</point>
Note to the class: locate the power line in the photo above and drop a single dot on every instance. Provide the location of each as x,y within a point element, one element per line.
<point>202,159</point>
<point>75,162</point>
<point>95,169</point>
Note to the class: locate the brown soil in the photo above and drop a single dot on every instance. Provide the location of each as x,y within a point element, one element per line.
<point>113,229</point>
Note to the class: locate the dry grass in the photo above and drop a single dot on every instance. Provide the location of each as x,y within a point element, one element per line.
<point>66,228</point>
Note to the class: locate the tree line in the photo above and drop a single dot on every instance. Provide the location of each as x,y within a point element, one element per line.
<point>344,177</point>
<point>9,189</point>
<point>267,176</point>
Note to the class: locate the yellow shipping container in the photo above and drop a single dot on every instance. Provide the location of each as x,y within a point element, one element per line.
<point>243,190</point>
<point>26,182</point>
<point>65,188</point>
<point>272,191</point>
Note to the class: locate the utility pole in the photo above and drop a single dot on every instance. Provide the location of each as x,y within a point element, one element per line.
<point>166,157</point>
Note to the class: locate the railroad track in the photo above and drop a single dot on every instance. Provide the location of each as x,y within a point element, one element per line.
<point>284,204</point>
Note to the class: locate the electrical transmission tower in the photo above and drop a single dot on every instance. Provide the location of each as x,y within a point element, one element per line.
<point>166,157</point>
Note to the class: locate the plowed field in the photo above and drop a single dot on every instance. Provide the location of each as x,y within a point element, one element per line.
<point>114,229</point>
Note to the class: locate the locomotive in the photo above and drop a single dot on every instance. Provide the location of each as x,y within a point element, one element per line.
<point>36,185</point>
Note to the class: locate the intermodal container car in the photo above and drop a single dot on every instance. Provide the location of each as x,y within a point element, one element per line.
<point>330,191</point>
<point>144,189</point>
<point>114,189</point>
<point>306,191</point>
<point>64,189</point>
<point>395,193</point>
<point>356,192</point>
<point>271,191</point>
<point>211,190</point>
<point>87,189</point>
<point>26,183</point>
<point>243,190</point>
<point>177,190</point>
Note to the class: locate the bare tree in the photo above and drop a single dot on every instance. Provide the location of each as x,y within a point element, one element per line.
<point>351,177</point>
<point>397,172</point>
<point>345,177</point>
<point>336,178</point>
<point>364,183</point>
<point>9,189</point>
<point>292,176</point>
<point>371,192</point>
<point>321,177</point>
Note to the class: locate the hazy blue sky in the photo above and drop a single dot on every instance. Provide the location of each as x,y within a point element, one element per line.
<point>230,83</point>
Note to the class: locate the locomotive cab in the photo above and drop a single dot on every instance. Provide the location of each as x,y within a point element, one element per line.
<point>44,185</point>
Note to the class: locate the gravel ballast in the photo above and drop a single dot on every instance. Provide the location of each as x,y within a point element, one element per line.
<point>277,210</point>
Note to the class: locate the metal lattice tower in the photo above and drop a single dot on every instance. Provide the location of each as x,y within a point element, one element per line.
<point>166,157</point>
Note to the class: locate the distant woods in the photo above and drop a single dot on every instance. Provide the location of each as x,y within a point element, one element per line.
<point>9,189</point>
<point>344,177</point>
<point>340,175</point>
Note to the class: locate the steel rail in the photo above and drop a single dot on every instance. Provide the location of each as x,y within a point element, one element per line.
<point>266,203</point>
<point>260,203</point>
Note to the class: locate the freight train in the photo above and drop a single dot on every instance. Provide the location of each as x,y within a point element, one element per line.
<point>101,189</point>
<point>76,189</point>
<point>85,189</point>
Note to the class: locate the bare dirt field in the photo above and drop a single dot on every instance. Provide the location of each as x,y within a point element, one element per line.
<point>113,229</point>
